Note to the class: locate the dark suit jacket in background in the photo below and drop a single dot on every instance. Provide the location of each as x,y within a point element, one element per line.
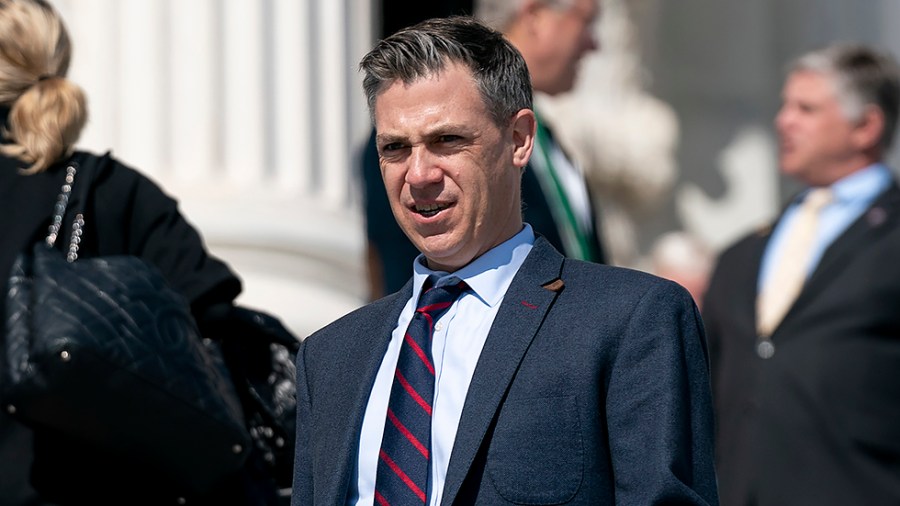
<point>596,394</point>
<point>819,422</point>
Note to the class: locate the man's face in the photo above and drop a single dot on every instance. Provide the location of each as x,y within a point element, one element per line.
<point>563,35</point>
<point>452,175</point>
<point>815,136</point>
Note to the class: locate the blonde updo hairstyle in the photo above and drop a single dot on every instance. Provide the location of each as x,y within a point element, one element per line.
<point>46,111</point>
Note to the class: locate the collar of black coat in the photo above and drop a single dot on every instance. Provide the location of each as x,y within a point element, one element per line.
<point>4,123</point>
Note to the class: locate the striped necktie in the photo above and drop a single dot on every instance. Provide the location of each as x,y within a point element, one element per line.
<point>405,456</point>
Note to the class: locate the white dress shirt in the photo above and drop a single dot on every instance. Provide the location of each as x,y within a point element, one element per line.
<point>570,177</point>
<point>459,336</point>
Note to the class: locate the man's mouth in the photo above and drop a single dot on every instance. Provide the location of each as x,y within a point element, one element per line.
<point>429,210</point>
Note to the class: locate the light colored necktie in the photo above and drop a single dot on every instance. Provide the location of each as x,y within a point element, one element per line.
<point>792,266</point>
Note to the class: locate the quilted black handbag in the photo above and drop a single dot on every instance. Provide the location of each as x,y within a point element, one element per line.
<point>102,350</point>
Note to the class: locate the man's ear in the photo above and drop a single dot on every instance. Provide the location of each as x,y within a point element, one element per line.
<point>868,130</point>
<point>523,128</point>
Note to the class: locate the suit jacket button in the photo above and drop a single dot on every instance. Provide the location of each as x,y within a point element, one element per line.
<point>765,349</point>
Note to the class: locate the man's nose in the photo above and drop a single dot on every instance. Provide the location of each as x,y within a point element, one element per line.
<point>422,169</point>
<point>782,118</point>
<point>591,42</point>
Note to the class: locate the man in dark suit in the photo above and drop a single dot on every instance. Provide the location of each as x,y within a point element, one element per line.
<point>803,318</point>
<point>553,37</point>
<point>519,376</point>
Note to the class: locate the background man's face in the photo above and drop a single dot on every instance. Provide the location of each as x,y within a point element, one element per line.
<point>814,133</point>
<point>448,168</point>
<point>564,35</point>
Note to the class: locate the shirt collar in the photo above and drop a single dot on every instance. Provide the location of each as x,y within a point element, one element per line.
<point>489,275</point>
<point>863,185</point>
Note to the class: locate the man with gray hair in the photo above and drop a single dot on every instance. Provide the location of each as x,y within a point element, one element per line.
<point>503,372</point>
<point>803,317</point>
<point>553,37</point>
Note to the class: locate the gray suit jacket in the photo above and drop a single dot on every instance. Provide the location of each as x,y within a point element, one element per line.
<point>592,388</point>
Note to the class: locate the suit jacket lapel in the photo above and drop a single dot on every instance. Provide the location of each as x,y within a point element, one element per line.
<point>864,230</point>
<point>747,288</point>
<point>357,364</point>
<point>520,316</point>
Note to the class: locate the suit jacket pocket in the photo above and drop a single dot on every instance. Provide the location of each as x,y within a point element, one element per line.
<point>536,453</point>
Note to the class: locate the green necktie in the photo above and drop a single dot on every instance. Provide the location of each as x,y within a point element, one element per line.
<point>575,240</point>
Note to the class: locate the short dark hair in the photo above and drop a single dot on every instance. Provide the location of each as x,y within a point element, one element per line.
<point>862,76</point>
<point>427,48</point>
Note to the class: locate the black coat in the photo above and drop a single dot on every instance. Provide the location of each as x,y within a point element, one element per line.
<point>818,423</point>
<point>126,214</point>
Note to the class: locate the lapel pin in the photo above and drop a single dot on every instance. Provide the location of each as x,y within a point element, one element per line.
<point>555,285</point>
<point>528,305</point>
<point>876,216</point>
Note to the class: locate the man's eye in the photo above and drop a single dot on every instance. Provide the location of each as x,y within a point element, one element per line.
<point>449,138</point>
<point>392,147</point>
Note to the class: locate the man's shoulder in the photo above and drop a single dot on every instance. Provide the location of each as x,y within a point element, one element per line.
<point>370,314</point>
<point>743,250</point>
<point>605,300</point>
<point>584,277</point>
<point>614,284</point>
<point>606,273</point>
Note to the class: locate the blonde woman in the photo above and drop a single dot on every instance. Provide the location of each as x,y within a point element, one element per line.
<point>43,114</point>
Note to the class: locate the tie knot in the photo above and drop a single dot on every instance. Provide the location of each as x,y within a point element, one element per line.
<point>437,299</point>
<point>818,198</point>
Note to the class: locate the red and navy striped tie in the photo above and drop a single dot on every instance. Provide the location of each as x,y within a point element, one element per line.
<point>404,460</point>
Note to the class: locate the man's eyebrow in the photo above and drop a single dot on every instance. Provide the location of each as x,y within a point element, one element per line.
<point>382,139</point>
<point>431,132</point>
<point>445,126</point>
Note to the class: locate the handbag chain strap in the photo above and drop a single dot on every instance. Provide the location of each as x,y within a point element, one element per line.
<point>59,212</point>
